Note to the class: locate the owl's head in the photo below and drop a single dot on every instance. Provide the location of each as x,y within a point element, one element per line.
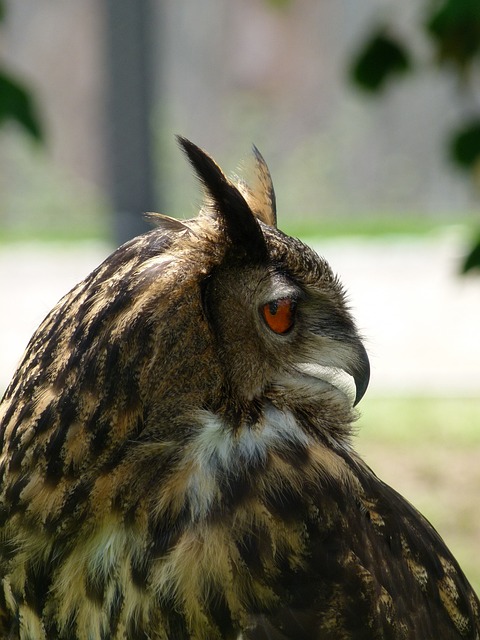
<point>253,320</point>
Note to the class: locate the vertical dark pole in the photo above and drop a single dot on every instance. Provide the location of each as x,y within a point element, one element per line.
<point>129,97</point>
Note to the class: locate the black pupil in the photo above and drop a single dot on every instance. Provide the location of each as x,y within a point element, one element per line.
<point>273,307</point>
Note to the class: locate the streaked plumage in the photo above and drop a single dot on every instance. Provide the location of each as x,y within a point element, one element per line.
<point>177,459</point>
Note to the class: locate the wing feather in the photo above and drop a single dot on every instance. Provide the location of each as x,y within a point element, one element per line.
<point>381,572</point>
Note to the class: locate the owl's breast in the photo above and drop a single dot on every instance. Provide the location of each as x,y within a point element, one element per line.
<point>231,462</point>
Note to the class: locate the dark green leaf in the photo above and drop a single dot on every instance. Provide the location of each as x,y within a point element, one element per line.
<point>16,103</point>
<point>381,58</point>
<point>455,29</point>
<point>472,261</point>
<point>465,145</point>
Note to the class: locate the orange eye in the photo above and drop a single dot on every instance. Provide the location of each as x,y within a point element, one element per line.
<point>280,314</point>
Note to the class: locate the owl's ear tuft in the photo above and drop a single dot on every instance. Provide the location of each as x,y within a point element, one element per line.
<point>239,222</point>
<point>258,190</point>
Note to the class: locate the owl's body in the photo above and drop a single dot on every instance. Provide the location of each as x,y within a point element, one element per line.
<point>176,460</point>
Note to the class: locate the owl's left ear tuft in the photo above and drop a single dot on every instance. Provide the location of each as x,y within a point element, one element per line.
<point>240,224</point>
<point>258,190</point>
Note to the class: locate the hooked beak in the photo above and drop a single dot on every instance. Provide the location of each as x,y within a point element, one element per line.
<point>350,379</point>
<point>361,373</point>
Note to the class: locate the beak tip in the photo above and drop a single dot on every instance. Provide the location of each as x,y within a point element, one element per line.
<point>362,375</point>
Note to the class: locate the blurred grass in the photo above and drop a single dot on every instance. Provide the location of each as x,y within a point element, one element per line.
<point>80,233</point>
<point>399,420</point>
<point>428,449</point>
<point>380,225</point>
<point>97,226</point>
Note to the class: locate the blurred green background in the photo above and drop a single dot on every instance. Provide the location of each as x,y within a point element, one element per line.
<point>300,79</point>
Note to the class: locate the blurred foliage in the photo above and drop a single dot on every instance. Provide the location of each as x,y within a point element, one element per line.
<point>453,29</point>
<point>472,261</point>
<point>381,58</point>
<point>17,102</point>
<point>465,145</point>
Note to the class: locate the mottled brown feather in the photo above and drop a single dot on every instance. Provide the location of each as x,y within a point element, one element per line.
<point>171,468</point>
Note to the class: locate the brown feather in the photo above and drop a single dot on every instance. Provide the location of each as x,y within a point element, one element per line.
<point>173,468</point>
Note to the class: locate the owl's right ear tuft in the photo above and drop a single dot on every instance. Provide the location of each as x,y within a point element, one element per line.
<point>239,222</point>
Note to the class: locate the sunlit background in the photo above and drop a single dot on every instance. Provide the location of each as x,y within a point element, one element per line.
<point>366,181</point>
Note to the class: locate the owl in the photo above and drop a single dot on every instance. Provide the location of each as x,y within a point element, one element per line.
<point>177,459</point>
